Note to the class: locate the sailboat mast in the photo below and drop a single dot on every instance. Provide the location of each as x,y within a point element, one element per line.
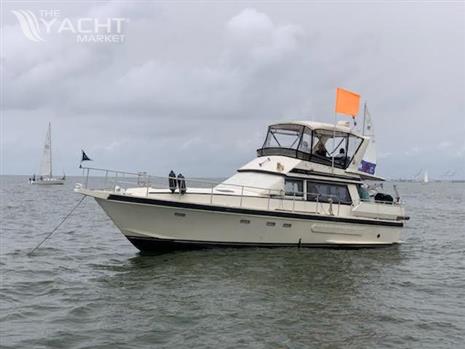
<point>364,117</point>
<point>50,143</point>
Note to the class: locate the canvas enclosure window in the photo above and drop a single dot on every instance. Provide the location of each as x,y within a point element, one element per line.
<point>306,142</point>
<point>283,136</point>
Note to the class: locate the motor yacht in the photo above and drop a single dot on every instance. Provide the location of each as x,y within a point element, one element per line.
<point>305,188</point>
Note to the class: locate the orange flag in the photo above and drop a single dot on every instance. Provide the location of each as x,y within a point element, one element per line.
<point>347,102</point>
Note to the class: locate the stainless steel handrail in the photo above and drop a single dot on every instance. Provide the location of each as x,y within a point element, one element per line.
<point>271,194</point>
<point>139,174</point>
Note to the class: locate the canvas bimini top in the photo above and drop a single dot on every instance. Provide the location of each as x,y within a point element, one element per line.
<point>341,126</point>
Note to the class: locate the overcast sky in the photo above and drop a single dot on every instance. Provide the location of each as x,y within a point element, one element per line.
<point>192,87</point>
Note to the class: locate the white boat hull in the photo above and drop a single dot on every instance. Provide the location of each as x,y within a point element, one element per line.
<point>159,225</point>
<point>52,181</point>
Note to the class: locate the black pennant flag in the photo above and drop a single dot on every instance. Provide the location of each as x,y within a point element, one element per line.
<point>84,157</point>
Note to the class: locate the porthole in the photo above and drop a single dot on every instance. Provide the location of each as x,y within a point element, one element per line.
<point>270,224</point>
<point>245,221</point>
<point>287,225</point>
<point>378,236</point>
<point>179,214</point>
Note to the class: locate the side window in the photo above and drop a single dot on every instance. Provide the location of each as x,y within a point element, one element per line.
<point>294,187</point>
<point>363,193</point>
<point>324,192</point>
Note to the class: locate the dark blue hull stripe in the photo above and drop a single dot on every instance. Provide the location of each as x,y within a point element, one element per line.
<point>277,214</point>
<point>159,245</point>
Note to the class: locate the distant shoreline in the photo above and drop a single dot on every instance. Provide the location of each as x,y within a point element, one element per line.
<point>400,180</point>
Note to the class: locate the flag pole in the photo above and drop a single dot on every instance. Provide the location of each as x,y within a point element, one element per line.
<point>347,103</point>
<point>334,142</point>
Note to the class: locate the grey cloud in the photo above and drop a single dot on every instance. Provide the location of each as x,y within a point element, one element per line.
<point>164,88</point>
<point>205,80</point>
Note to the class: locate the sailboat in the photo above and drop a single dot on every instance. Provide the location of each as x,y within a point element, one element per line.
<point>425,177</point>
<point>45,176</point>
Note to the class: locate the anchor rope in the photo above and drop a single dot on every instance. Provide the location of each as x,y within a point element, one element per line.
<point>57,226</point>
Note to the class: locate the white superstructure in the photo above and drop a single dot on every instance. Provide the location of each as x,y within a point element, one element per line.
<point>305,188</point>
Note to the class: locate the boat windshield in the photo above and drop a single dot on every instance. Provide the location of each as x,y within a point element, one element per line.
<point>319,146</point>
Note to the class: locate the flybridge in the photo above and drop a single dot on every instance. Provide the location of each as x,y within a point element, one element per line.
<point>330,145</point>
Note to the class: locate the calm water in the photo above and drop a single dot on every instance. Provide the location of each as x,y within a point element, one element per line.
<point>87,287</point>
